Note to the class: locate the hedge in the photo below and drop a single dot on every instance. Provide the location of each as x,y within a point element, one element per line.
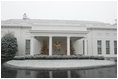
<point>57,57</point>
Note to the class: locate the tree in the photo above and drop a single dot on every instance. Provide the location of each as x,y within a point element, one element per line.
<point>8,47</point>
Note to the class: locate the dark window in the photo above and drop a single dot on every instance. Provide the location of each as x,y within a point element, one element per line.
<point>99,46</point>
<point>115,47</point>
<point>83,48</point>
<point>27,50</point>
<point>107,47</point>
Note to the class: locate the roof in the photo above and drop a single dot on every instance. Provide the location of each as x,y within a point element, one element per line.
<point>31,22</point>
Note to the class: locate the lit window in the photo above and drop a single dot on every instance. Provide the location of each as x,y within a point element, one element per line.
<point>27,47</point>
<point>107,47</point>
<point>99,46</point>
<point>115,47</point>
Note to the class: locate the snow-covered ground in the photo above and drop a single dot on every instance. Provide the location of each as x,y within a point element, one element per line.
<point>57,64</point>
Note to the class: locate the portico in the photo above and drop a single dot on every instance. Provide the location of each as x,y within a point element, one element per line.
<point>56,39</point>
<point>54,45</point>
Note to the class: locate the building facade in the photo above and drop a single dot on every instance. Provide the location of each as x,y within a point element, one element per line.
<point>62,37</point>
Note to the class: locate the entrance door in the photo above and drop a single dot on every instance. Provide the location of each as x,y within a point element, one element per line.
<point>59,46</point>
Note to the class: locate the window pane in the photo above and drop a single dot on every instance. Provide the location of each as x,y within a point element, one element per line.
<point>107,47</point>
<point>99,47</point>
<point>115,47</point>
<point>99,50</point>
<point>83,47</point>
<point>27,47</point>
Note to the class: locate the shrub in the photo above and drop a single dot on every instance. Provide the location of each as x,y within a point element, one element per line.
<point>19,58</point>
<point>8,47</point>
<point>56,57</point>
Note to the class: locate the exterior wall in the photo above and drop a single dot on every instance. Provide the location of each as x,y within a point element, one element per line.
<point>38,44</point>
<point>78,46</point>
<point>21,34</point>
<point>59,27</point>
<point>102,35</point>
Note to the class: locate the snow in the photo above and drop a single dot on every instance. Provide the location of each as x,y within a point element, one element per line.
<point>58,64</point>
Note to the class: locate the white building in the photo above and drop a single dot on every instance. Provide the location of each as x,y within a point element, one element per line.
<point>62,37</point>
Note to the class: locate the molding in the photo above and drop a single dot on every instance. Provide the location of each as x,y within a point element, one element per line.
<point>31,25</point>
<point>97,28</point>
<point>16,26</point>
<point>70,25</point>
<point>58,31</point>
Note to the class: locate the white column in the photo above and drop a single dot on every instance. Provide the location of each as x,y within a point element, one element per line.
<point>68,46</point>
<point>50,45</point>
<point>69,74</point>
<point>85,46</point>
<point>50,74</point>
<point>32,46</point>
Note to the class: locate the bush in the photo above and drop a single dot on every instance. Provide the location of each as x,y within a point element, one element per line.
<point>19,58</point>
<point>55,57</point>
<point>8,47</point>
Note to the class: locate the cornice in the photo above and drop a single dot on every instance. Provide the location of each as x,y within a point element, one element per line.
<point>95,28</point>
<point>58,31</point>
<point>15,26</point>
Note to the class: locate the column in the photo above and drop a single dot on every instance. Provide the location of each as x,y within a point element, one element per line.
<point>69,74</point>
<point>68,46</point>
<point>32,46</point>
<point>85,46</point>
<point>50,74</point>
<point>50,45</point>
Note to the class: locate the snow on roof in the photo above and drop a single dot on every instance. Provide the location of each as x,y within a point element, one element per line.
<point>33,22</point>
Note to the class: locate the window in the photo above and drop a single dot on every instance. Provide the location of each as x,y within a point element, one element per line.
<point>107,47</point>
<point>99,46</point>
<point>83,48</point>
<point>27,47</point>
<point>115,47</point>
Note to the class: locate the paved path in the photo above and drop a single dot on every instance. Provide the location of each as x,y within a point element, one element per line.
<point>57,64</point>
